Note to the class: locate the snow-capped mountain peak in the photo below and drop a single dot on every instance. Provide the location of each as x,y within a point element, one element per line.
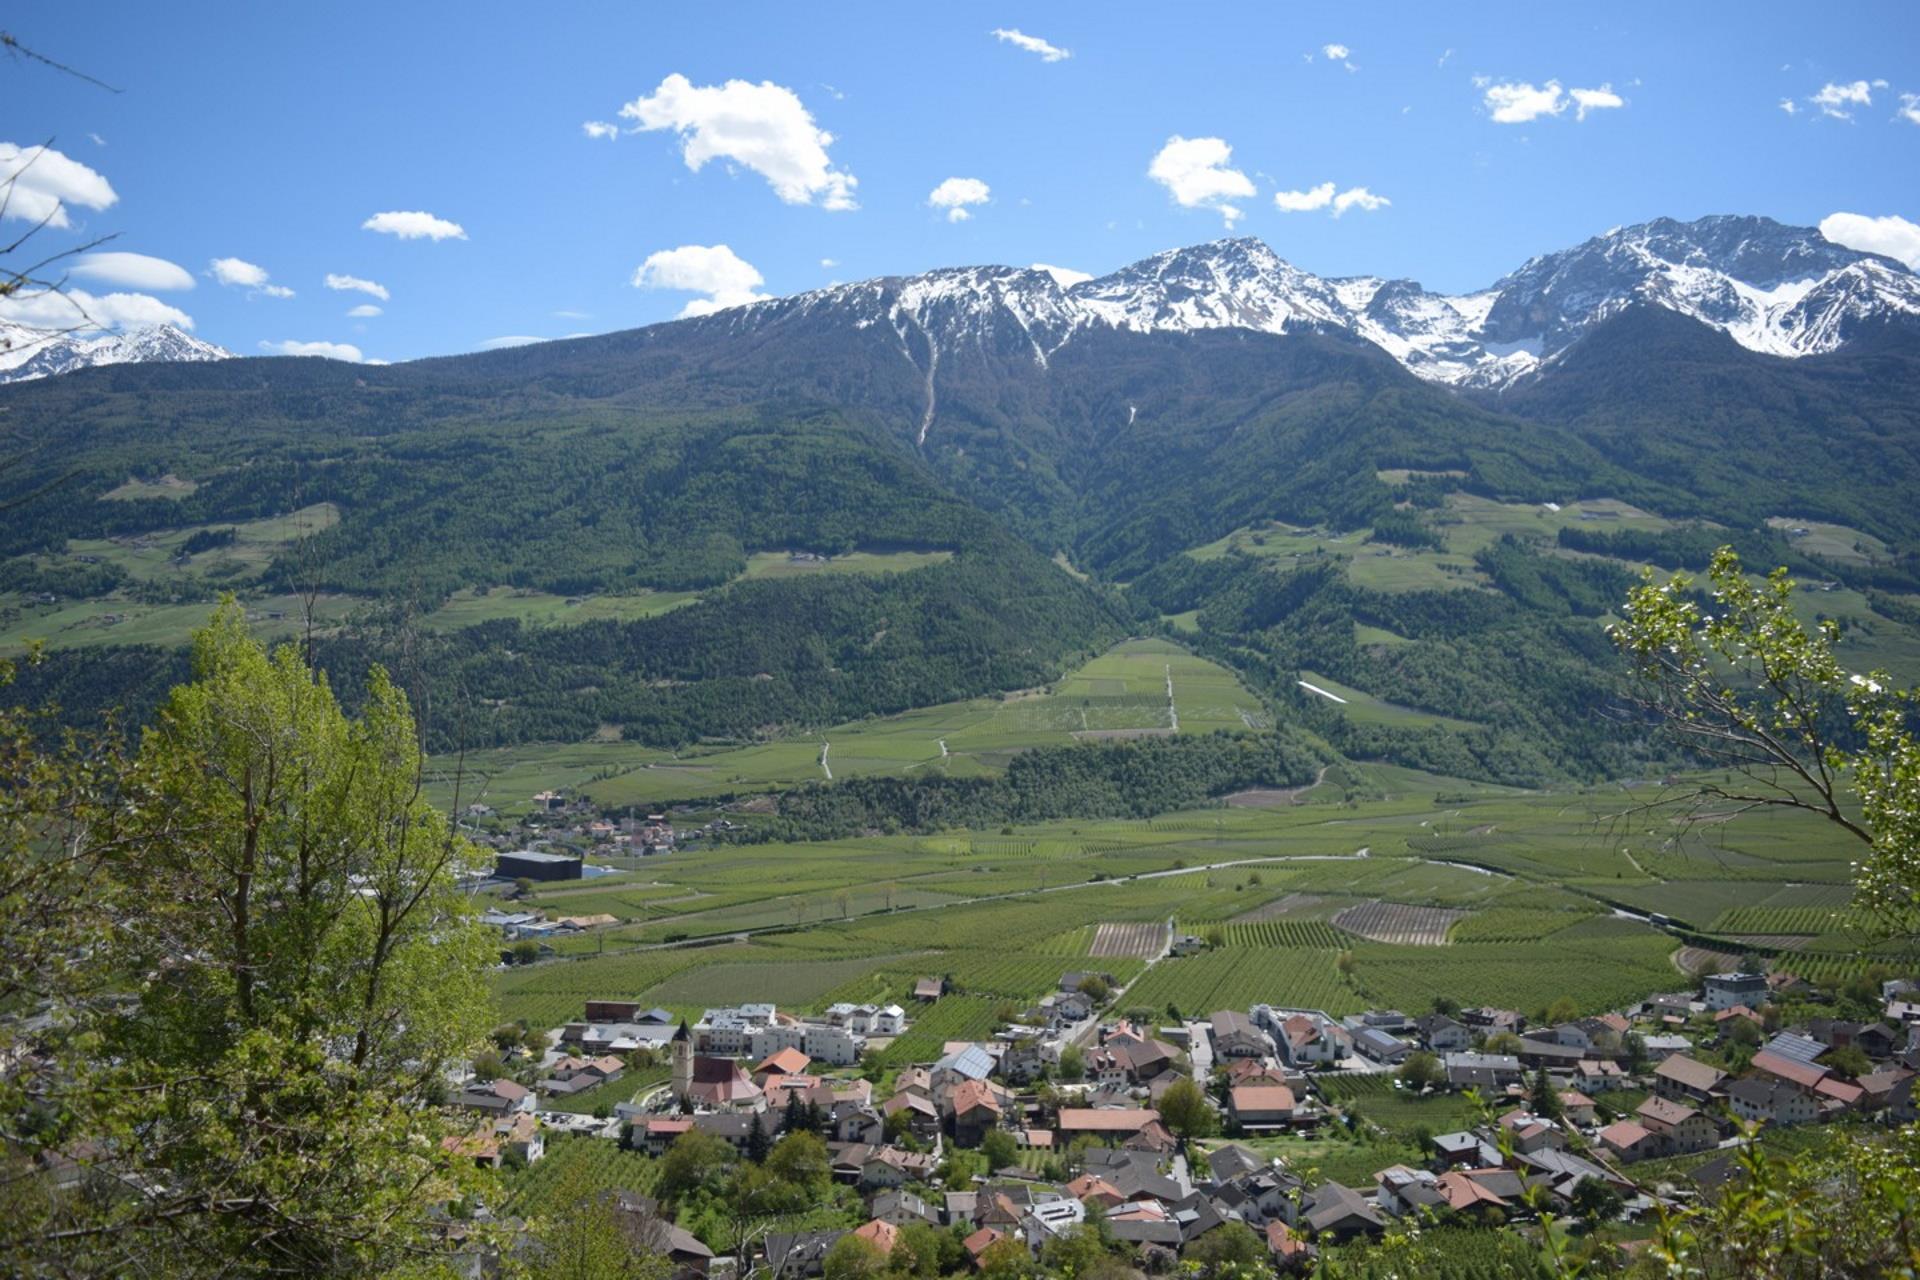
<point>27,353</point>
<point>1773,288</point>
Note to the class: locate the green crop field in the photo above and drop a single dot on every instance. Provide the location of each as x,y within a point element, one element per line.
<point>786,982</point>
<point>577,1166</point>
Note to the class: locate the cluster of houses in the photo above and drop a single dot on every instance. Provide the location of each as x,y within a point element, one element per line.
<point>749,1073</point>
<point>570,819</point>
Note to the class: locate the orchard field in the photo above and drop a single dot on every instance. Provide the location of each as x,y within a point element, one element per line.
<point>1388,891</point>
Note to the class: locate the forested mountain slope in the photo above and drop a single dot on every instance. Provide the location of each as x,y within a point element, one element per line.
<point>1291,501</point>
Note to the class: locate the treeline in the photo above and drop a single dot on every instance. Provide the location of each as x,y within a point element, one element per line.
<point>1138,778</point>
<point>1554,584</point>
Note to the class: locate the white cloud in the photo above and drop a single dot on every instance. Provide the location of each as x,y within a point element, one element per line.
<point>1443,58</point>
<point>1837,100</point>
<point>134,270</point>
<point>1065,277</point>
<point>1519,103</point>
<point>365,311</point>
<point>414,225</point>
<point>1909,108</point>
<point>1892,235</point>
<point>242,274</point>
<point>1789,106</point>
<point>78,309</point>
<point>764,127</point>
<point>1195,172</point>
<point>955,194</point>
<point>1511,102</point>
<point>512,340</point>
<point>331,350</point>
<point>1302,201</point>
<point>1358,198</point>
<point>727,279</point>
<point>600,129</point>
<point>46,183</point>
<point>356,284</point>
<point>1324,197</point>
<point>828,264</point>
<point>1601,99</point>
<point>237,271</point>
<point>1032,44</point>
<point>98,141</point>
<point>1337,53</point>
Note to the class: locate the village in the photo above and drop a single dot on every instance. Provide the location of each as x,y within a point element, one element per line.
<point>1173,1140</point>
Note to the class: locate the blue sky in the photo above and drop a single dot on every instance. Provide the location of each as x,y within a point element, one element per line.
<point>271,134</point>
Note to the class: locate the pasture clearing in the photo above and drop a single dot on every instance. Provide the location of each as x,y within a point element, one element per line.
<point>1397,922</point>
<point>1377,566</point>
<point>1364,708</point>
<point>1470,524</point>
<point>798,564</point>
<point>88,623</point>
<point>1831,541</point>
<point>468,607</point>
<point>162,555</point>
<point>168,486</point>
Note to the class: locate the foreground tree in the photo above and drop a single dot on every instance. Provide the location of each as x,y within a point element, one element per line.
<point>1748,688</point>
<point>285,970</point>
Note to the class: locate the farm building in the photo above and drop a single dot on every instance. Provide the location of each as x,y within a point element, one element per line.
<point>530,864</point>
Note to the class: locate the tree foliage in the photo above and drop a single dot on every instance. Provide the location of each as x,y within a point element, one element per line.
<point>1744,685</point>
<point>282,966</point>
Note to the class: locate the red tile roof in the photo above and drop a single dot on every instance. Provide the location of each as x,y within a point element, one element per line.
<point>881,1235</point>
<point>1625,1134</point>
<point>1095,1120</point>
<point>1804,1074</point>
<point>974,1094</point>
<point>786,1062</point>
<point>1262,1097</point>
